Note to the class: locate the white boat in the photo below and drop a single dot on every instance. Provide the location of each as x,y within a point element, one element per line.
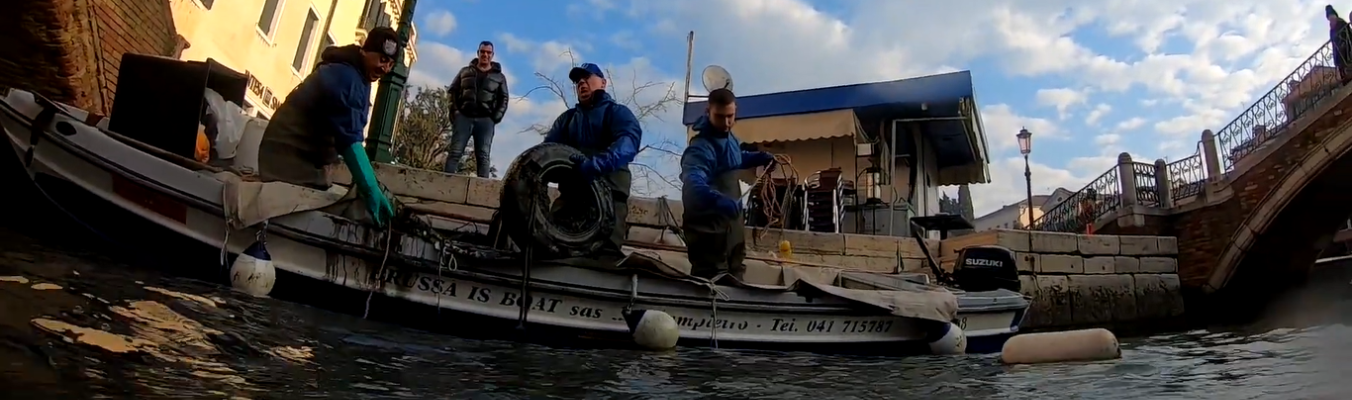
<point>477,289</point>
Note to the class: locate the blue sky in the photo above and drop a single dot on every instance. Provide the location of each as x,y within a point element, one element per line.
<point>1089,80</point>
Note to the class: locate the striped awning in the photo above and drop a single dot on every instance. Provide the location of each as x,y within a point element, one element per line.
<point>788,128</point>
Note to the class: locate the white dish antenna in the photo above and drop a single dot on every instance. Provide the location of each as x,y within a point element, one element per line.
<point>716,77</point>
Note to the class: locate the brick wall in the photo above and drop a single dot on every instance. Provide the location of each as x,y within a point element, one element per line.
<point>1295,237</point>
<point>130,26</point>
<point>69,50</point>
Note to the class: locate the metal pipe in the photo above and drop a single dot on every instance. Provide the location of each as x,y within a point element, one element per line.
<point>689,64</point>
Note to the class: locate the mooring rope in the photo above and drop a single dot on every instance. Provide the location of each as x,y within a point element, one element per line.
<point>776,216</point>
<point>380,281</point>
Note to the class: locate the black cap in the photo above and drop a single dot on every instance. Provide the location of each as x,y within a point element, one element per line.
<point>585,70</point>
<point>383,40</point>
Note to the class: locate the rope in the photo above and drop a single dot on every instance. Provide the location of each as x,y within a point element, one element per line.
<point>389,234</point>
<point>776,216</point>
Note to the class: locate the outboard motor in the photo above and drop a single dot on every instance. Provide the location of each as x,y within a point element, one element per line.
<point>985,268</point>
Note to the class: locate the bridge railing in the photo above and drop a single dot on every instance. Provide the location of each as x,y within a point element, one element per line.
<point>1269,117</point>
<point>1166,184</point>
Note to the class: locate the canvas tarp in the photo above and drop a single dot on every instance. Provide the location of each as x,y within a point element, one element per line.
<point>248,203</point>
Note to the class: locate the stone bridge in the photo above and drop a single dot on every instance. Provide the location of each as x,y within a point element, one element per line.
<point>1257,204</point>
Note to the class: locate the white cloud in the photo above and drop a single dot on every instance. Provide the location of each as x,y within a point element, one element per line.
<point>1097,113</point>
<point>1062,99</point>
<point>1130,124</point>
<point>440,23</point>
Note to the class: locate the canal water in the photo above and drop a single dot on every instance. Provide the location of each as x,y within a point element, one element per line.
<point>78,323</point>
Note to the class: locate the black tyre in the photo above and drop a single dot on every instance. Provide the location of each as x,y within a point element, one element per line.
<point>579,230</point>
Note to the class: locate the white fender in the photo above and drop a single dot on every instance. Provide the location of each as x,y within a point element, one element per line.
<point>653,329</point>
<point>253,272</point>
<point>952,342</point>
<point>1080,345</point>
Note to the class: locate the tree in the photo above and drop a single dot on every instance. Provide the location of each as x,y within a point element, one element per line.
<point>965,203</point>
<point>949,205</point>
<point>422,134</point>
<point>647,99</point>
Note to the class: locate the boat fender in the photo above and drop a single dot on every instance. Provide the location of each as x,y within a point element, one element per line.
<point>1078,345</point>
<point>653,329</point>
<point>951,341</point>
<point>253,272</point>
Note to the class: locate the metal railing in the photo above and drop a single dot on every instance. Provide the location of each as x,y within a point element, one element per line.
<point>1100,197</point>
<point>1187,177</point>
<point>1299,93</point>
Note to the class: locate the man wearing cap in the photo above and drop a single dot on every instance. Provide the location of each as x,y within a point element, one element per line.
<point>608,134</point>
<point>325,116</point>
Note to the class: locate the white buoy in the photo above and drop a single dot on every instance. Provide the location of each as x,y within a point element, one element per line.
<point>1079,345</point>
<point>253,272</point>
<point>953,341</point>
<point>653,329</point>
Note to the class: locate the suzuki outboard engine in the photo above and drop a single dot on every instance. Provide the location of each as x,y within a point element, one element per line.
<point>984,268</point>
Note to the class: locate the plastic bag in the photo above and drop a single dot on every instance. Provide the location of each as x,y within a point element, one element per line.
<point>229,122</point>
<point>246,159</point>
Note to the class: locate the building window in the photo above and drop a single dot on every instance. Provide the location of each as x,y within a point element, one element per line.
<point>370,14</point>
<point>319,53</point>
<point>267,20</point>
<point>307,37</point>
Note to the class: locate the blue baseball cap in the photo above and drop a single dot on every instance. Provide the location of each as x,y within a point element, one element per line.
<point>585,70</point>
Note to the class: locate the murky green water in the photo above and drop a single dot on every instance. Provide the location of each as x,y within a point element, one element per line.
<point>194,340</point>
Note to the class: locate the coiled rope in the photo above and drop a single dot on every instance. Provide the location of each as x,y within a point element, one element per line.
<point>776,210</point>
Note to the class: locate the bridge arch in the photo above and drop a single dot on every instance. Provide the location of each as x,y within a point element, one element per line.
<point>1299,216</point>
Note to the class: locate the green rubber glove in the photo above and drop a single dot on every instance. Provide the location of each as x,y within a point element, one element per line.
<point>364,178</point>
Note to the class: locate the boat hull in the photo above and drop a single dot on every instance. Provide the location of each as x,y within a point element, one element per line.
<point>473,304</point>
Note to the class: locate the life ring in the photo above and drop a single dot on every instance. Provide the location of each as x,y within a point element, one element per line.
<point>525,206</point>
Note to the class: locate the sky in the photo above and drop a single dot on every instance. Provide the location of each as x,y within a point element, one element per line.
<point>1090,80</point>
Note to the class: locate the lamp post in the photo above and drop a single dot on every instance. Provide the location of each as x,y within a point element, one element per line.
<point>1025,147</point>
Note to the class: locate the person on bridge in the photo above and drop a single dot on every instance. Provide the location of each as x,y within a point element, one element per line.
<point>324,117</point>
<point>608,135</point>
<point>715,233</point>
<point>1340,35</point>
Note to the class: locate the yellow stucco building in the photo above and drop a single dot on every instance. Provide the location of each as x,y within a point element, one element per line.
<point>277,42</point>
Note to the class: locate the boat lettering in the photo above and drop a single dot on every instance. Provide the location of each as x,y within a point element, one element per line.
<point>544,304</point>
<point>981,262</point>
<point>962,323</point>
<point>781,325</point>
<point>865,326</point>
<point>695,324</point>
<point>589,312</point>
<point>449,288</point>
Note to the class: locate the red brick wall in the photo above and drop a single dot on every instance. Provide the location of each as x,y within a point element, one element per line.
<point>130,26</point>
<point>1296,237</point>
<point>69,50</point>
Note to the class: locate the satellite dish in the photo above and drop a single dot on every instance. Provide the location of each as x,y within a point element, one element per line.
<point>716,77</point>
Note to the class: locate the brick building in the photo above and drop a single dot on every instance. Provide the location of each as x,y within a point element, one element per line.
<point>70,50</point>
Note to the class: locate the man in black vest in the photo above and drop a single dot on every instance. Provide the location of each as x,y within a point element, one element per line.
<point>478,103</point>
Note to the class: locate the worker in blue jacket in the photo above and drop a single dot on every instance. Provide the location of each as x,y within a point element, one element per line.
<point>325,117</point>
<point>608,134</point>
<point>715,233</point>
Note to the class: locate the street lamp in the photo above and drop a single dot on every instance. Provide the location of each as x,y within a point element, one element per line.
<point>1025,147</point>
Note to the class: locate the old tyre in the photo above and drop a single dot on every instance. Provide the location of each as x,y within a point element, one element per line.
<point>526,210</point>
